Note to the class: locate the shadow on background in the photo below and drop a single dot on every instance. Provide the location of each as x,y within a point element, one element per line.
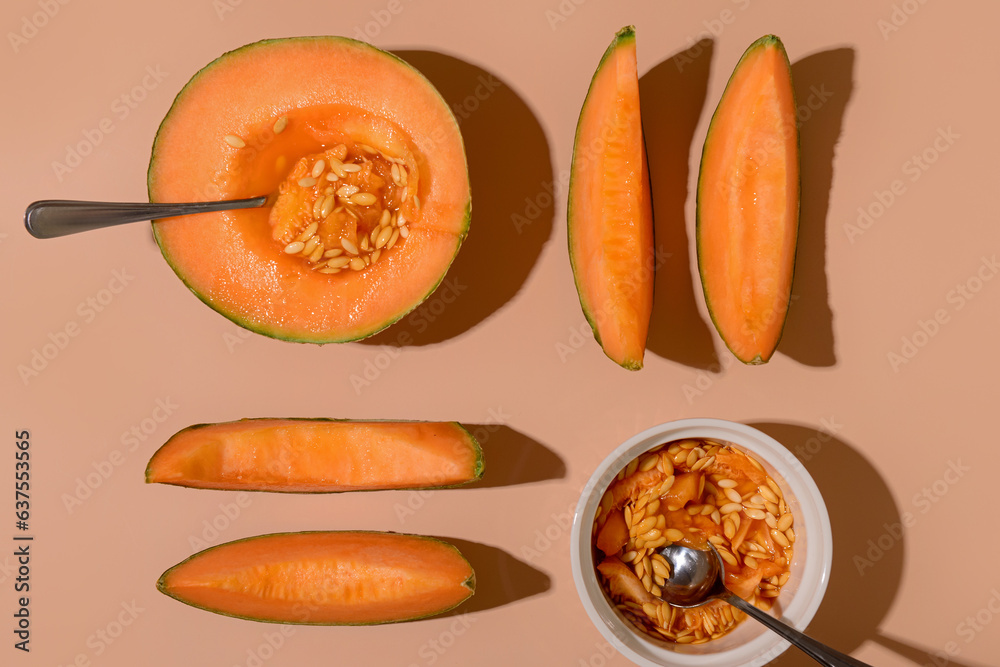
<point>672,98</point>
<point>868,546</point>
<point>823,85</point>
<point>922,657</point>
<point>513,458</point>
<point>500,578</point>
<point>513,202</point>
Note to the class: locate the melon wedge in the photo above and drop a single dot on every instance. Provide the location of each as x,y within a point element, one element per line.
<point>610,213</point>
<point>318,456</point>
<point>748,203</point>
<point>324,578</point>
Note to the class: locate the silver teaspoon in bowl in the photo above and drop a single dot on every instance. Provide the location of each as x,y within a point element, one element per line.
<point>696,578</point>
<point>59,217</point>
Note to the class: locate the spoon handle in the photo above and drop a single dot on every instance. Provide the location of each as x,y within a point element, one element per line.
<point>58,217</point>
<point>819,652</point>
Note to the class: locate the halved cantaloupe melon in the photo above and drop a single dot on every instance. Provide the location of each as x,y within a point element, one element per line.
<point>324,578</point>
<point>366,177</point>
<point>610,214</point>
<point>318,456</point>
<point>748,203</point>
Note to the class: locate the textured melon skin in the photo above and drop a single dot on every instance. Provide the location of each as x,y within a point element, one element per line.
<point>758,359</point>
<point>163,586</point>
<point>273,330</point>
<point>624,37</point>
<point>479,465</point>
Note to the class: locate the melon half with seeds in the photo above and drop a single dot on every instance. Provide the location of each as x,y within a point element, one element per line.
<point>610,216</point>
<point>365,172</point>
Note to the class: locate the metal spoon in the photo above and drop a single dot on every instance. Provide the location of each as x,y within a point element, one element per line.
<point>696,579</point>
<point>58,217</point>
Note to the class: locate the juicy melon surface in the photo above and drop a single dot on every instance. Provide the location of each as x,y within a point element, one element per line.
<point>324,578</point>
<point>610,219</point>
<point>748,203</point>
<point>317,456</point>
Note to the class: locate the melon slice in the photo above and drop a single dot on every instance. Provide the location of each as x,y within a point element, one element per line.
<point>324,578</point>
<point>318,456</point>
<point>610,213</point>
<point>748,203</point>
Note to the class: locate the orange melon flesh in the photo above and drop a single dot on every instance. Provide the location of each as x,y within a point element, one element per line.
<point>330,90</point>
<point>614,533</point>
<point>318,456</point>
<point>610,218</point>
<point>623,582</point>
<point>748,203</point>
<point>324,578</point>
<point>633,486</point>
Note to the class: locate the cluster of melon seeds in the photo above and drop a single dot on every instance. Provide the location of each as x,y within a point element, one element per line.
<point>692,492</point>
<point>344,208</point>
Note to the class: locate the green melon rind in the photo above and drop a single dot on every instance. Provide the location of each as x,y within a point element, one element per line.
<point>479,467</point>
<point>623,37</point>
<point>469,583</point>
<point>264,328</point>
<point>763,42</point>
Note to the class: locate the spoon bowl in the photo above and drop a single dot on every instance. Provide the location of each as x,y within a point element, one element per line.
<point>694,576</point>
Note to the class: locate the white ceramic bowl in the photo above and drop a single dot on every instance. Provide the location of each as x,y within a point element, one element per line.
<point>750,644</point>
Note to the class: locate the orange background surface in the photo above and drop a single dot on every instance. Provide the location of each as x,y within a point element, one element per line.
<point>503,345</point>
